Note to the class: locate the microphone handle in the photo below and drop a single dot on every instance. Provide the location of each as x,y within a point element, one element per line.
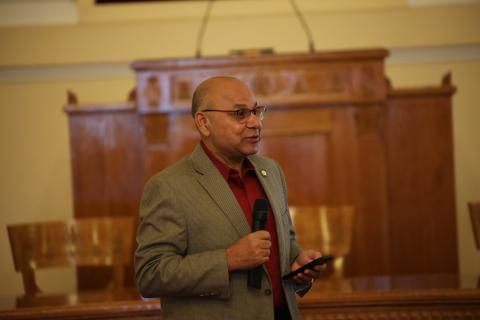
<point>258,225</point>
<point>255,274</point>
<point>255,277</point>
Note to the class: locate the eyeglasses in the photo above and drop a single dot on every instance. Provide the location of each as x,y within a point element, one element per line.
<point>243,114</point>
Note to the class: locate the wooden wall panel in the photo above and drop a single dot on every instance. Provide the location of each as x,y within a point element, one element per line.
<point>282,130</point>
<point>178,138</point>
<point>105,155</point>
<point>343,163</point>
<point>306,180</point>
<point>106,168</point>
<point>421,187</point>
<point>371,228</point>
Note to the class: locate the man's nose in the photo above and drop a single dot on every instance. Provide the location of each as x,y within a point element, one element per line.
<point>254,121</point>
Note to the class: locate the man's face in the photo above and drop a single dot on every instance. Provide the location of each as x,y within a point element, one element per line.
<point>228,137</point>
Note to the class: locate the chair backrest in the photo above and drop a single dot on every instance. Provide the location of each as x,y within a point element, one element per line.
<point>327,229</point>
<point>474,208</point>
<point>102,241</point>
<point>324,228</point>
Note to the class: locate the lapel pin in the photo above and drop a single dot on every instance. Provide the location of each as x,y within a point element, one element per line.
<point>263,172</point>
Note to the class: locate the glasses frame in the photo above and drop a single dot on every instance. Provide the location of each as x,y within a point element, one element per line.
<point>236,112</point>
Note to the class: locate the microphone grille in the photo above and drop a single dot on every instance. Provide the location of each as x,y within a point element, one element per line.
<point>261,204</point>
<point>260,209</point>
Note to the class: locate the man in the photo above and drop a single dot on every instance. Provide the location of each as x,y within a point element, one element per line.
<point>195,244</point>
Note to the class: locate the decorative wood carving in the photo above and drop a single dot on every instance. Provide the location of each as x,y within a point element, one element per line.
<point>281,80</point>
<point>447,79</point>
<point>72,99</point>
<point>132,95</point>
<point>421,313</point>
<point>152,92</point>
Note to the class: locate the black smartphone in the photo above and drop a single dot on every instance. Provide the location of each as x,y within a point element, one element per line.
<point>310,265</point>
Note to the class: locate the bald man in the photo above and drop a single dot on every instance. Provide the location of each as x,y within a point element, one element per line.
<point>195,239</point>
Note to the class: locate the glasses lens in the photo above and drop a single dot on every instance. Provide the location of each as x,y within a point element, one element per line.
<point>260,111</point>
<point>242,114</point>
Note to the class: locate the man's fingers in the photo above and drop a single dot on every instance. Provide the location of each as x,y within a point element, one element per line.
<point>302,278</point>
<point>262,234</point>
<point>312,273</point>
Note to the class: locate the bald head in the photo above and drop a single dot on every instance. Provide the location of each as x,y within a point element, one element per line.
<point>215,108</point>
<point>202,92</point>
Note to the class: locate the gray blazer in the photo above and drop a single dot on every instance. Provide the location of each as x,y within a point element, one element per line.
<point>188,217</point>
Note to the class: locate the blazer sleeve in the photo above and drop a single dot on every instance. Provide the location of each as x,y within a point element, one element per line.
<point>162,266</point>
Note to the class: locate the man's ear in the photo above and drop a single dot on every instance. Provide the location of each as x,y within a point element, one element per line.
<point>202,123</point>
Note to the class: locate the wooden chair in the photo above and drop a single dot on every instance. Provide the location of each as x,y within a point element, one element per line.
<point>327,229</point>
<point>102,241</point>
<point>474,208</point>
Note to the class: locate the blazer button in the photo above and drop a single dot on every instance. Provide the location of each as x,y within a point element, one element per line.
<point>267,292</point>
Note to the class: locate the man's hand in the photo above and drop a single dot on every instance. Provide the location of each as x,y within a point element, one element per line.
<point>308,275</point>
<point>250,251</point>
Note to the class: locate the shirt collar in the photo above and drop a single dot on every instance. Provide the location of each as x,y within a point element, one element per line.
<point>225,170</point>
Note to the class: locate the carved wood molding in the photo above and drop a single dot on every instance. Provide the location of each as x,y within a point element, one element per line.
<point>454,313</point>
<point>356,77</point>
<point>167,65</point>
<point>131,309</point>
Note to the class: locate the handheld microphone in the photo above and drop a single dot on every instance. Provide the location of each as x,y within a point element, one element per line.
<point>260,213</point>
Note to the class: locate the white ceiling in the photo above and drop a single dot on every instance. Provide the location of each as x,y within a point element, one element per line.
<point>66,12</point>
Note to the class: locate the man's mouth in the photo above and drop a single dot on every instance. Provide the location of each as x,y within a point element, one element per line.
<point>253,138</point>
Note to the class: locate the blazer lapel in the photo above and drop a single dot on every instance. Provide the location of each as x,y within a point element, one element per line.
<point>218,189</point>
<point>265,178</point>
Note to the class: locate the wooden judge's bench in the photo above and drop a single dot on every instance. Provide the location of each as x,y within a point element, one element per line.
<point>342,135</point>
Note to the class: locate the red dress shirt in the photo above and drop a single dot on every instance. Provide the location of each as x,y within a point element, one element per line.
<point>247,188</point>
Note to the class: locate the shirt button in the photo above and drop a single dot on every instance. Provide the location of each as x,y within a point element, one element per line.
<point>267,292</point>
